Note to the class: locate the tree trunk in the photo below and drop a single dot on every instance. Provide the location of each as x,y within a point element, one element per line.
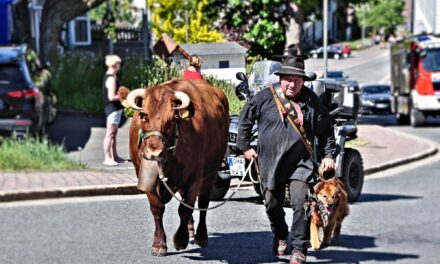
<point>55,14</point>
<point>294,24</point>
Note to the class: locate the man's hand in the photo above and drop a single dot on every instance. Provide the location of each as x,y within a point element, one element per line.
<point>328,164</point>
<point>250,154</point>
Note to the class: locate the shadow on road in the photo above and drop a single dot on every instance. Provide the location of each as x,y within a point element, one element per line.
<point>390,120</point>
<point>245,247</point>
<point>74,130</point>
<point>256,247</point>
<point>338,256</point>
<point>373,197</point>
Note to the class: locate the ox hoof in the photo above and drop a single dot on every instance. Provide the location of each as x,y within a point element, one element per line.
<point>201,242</point>
<point>158,252</point>
<point>178,248</point>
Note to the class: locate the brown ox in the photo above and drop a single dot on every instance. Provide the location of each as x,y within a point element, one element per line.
<point>181,128</point>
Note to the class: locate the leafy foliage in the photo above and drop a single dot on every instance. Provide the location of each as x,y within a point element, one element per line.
<point>168,17</point>
<point>381,14</point>
<point>79,75</point>
<point>260,24</point>
<point>122,10</point>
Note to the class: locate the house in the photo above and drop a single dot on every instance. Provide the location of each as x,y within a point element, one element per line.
<point>220,59</point>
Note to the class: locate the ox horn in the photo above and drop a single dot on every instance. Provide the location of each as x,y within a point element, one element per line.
<point>183,98</point>
<point>131,98</point>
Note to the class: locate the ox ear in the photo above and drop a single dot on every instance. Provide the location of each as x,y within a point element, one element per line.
<point>183,114</point>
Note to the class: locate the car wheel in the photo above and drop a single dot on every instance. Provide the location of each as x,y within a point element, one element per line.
<point>219,188</point>
<point>352,174</point>
<point>336,56</point>
<point>315,56</point>
<point>417,118</point>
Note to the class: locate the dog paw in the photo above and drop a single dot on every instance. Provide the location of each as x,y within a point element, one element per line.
<point>316,245</point>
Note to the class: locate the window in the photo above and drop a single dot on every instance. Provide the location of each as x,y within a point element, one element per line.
<point>223,64</point>
<point>80,31</point>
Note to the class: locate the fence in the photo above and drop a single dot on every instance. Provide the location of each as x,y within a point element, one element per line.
<point>123,34</point>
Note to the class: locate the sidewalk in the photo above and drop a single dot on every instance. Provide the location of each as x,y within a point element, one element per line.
<point>385,148</point>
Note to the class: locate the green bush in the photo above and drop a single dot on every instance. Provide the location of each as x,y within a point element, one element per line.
<point>34,154</point>
<point>78,80</point>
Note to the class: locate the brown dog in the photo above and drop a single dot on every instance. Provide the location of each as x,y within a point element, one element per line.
<point>334,208</point>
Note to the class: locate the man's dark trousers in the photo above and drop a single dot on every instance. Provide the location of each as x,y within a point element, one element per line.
<point>300,229</point>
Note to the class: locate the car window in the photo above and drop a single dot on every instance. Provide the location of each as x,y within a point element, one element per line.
<point>376,89</point>
<point>11,77</point>
<point>431,62</point>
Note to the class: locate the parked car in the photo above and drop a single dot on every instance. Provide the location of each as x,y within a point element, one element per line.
<point>375,99</point>
<point>27,101</point>
<point>337,75</point>
<point>346,50</point>
<point>333,51</point>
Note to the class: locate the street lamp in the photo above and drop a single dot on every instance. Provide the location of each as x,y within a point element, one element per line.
<point>325,33</point>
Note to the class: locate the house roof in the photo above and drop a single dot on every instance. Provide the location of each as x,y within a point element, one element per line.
<point>217,48</point>
<point>165,46</point>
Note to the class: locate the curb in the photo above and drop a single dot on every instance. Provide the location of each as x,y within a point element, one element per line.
<point>121,189</point>
<point>400,161</point>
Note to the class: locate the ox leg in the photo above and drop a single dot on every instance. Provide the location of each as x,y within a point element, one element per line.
<point>159,247</point>
<point>181,237</point>
<point>201,238</point>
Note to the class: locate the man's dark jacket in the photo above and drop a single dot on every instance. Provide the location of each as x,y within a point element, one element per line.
<point>282,154</point>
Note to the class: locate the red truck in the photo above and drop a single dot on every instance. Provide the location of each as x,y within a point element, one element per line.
<point>415,79</point>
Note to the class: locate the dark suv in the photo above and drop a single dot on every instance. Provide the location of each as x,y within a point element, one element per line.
<point>27,101</point>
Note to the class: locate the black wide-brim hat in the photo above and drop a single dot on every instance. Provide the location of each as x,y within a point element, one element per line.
<point>293,66</point>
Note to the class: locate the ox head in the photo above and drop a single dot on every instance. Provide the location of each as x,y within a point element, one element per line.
<point>158,121</point>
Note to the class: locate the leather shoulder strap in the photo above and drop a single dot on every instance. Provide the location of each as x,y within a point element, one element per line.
<point>285,106</point>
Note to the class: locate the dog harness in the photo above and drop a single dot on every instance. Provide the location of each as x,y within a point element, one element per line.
<point>314,203</point>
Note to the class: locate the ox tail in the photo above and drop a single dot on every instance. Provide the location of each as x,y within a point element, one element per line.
<point>148,175</point>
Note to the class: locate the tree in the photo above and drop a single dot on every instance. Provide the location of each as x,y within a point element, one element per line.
<point>55,14</point>
<point>168,17</point>
<point>121,10</point>
<point>266,26</point>
<point>385,14</point>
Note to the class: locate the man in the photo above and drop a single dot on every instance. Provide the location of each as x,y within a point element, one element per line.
<point>283,156</point>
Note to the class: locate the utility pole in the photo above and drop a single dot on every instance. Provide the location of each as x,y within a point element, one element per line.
<point>186,21</point>
<point>325,33</point>
<point>146,35</point>
<point>109,16</point>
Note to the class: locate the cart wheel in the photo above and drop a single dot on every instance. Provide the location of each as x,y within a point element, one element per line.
<point>219,189</point>
<point>352,174</point>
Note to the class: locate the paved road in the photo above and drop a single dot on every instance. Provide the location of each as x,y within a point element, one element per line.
<point>395,221</point>
<point>365,66</point>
